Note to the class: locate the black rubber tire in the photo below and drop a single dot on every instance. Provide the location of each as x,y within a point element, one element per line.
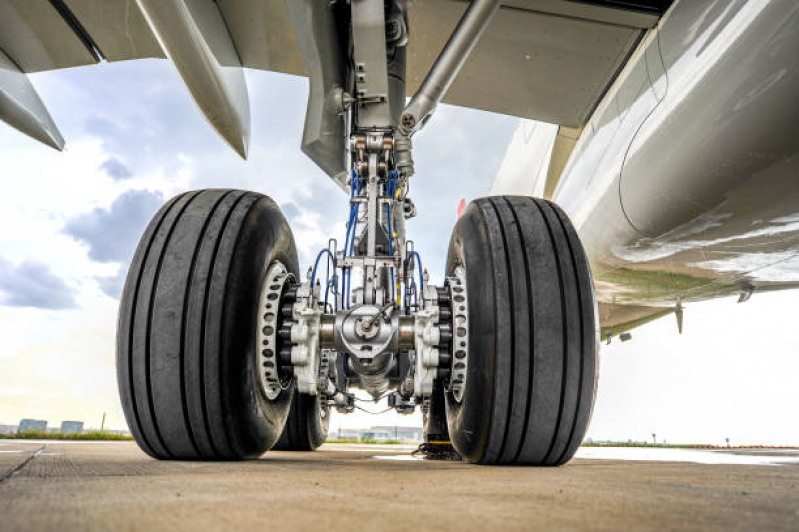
<point>186,360</point>
<point>533,342</point>
<point>434,421</point>
<point>306,428</point>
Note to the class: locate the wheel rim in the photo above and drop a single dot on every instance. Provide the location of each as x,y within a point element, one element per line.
<point>266,335</point>
<point>459,303</point>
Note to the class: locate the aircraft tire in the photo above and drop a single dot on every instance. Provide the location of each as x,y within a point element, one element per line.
<point>186,354</point>
<point>532,338</point>
<point>307,425</point>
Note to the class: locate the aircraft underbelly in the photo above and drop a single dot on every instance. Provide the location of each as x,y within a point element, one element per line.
<point>685,183</point>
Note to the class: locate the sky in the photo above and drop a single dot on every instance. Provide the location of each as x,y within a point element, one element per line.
<point>70,221</point>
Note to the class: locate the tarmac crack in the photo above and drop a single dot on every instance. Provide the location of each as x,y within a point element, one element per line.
<point>21,465</point>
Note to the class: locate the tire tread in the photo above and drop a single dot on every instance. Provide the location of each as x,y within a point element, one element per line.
<point>541,356</point>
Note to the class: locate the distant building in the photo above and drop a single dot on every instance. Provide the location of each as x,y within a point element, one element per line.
<point>32,425</point>
<point>8,429</point>
<point>346,434</point>
<point>382,433</point>
<point>375,435</point>
<point>402,433</point>
<point>71,427</point>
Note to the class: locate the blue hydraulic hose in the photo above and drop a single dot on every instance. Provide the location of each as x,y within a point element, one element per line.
<point>350,223</point>
<point>390,194</point>
<point>419,260</point>
<point>327,291</point>
<point>319,256</point>
<point>351,242</point>
<point>353,214</point>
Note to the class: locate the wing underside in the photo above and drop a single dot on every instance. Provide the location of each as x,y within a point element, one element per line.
<point>549,60</point>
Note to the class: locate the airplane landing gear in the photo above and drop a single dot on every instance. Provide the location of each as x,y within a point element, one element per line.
<point>225,351</point>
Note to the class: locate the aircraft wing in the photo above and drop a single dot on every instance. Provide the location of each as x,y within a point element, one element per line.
<point>549,60</point>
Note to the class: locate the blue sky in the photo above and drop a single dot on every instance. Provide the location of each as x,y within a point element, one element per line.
<point>69,223</point>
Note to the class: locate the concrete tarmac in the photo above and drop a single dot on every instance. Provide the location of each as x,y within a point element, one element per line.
<point>86,486</point>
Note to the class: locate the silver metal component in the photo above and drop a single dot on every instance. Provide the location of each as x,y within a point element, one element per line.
<point>403,157</point>
<point>427,336</point>
<point>371,70</point>
<point>324,135</point>
<point>374,147</point>
<point>327,331</point>
<point>385,311</point>
<point>364,329</point>
<point>345,402</point>
<point>305,333</point>
<point>401,404</point>
<point>459,303</point>
<point>351,336</point>
<point>324,385</point>
<point>266,335</point>
<point>460,44</point>
<point>373,373</point>
<point>407,334</point>
<point>342,99</point>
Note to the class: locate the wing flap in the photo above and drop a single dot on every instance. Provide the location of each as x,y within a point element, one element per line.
<point>36,37</point>
<point>21,107</point>
<point>197,41</point>
<point>118,27</point>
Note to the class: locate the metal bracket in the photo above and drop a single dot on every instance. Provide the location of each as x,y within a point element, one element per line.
<point>460,44</point>
<point>427,338</point>
<point>371,70</point>
<point>305,353</point>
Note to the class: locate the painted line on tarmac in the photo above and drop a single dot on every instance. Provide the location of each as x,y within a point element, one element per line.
<point>681,455</point>
<point>21,465</point>
<point>62,442</point>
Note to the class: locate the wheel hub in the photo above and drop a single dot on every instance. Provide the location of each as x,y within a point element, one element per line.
<point>459,306</point>
<point>276,281</point>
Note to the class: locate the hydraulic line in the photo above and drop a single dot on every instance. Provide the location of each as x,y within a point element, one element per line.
<point>415,254</point>
<point>316,264</point>
<point>390,183</point>
<point>349,242</point>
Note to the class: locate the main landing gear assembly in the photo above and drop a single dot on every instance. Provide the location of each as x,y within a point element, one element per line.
<point>226,350</point>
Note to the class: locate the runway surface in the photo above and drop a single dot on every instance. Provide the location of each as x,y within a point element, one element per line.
<point>86,486</point>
